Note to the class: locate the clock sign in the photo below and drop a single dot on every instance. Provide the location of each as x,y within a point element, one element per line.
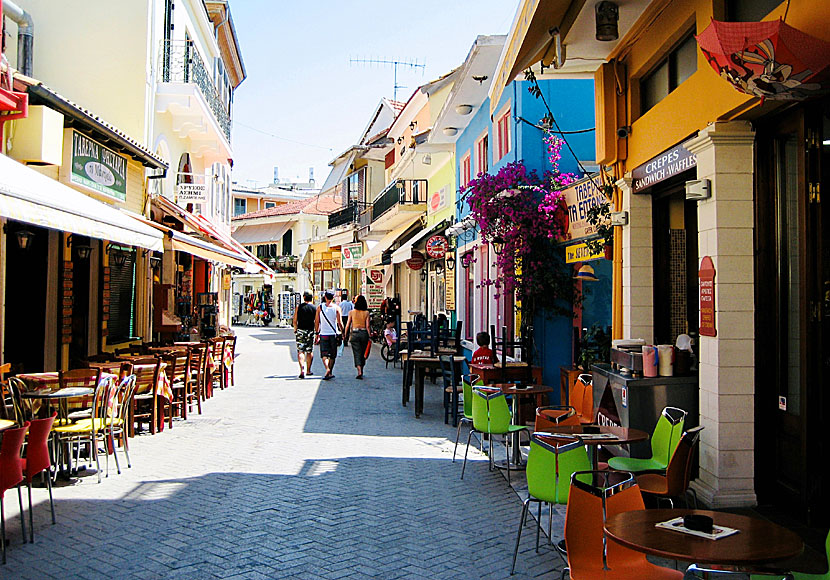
<point>436,246</point>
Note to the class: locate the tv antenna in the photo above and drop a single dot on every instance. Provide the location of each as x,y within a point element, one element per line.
<point>409,63</point>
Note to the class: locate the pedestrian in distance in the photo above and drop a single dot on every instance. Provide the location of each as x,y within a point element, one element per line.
<point>346,305</point>
<point>358,329</point>
<point>304,316</point>
<point>328,325</point>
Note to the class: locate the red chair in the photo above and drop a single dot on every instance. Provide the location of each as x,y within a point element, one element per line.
<point>11,475</point>
<point>37,461</point>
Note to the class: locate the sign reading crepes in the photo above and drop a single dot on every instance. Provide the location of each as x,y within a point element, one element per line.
<point>706,274</point>
<point>668,164</point>
<point>352,253</point>
<point>97,167</point>
<point>191,192</point>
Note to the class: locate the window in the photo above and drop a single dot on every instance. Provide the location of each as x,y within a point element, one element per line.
<point>669,74</point>
<point>749,10</point>
<point>240,206</point>
<point>122,300</point>
<point>286,243</point>
<point>269,204</point>
<point>266,251</point>
<point>481,155</point>
<point>353,186</point>
<point>465,176</point>
<point>469,295</point>
<point>503,135</point>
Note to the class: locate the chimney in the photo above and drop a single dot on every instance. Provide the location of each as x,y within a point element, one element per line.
<point>276,174</point>
<point>311,175</point>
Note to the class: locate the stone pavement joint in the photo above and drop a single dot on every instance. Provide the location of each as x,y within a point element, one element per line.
<point>288,478</point>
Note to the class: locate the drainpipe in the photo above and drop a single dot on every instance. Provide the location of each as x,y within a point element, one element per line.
<point>25,36</point>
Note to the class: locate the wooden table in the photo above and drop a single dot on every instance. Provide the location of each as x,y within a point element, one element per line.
<point>608,435</point>
<point>757,542</point>
<point>515,370</point>
<point>418,366</point>
<point>517,393</point>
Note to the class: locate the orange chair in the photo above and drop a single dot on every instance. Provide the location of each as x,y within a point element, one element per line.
<point>676,480</point>
<point>11,475</point>
<point>555,416</point>
<point>595,496</point>
<point>581,397</point>
<point>37,461</point>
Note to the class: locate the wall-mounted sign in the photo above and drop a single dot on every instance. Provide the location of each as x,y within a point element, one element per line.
<point>352,253</point>
<point>579,197</point>
<point>580,253</point>
<point>97,167</point>
<point>191,192</point>
<point>438,200</point>
<point>335,263</point>
<point>416,262</point>
<point>706,274</point>
<point>373,287</point>
<point>449,290</point>
<point>226,281</point>
<point>436,246</point>
<point>668,164</point>
<point>326,264</point>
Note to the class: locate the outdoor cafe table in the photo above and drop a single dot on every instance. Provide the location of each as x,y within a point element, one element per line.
<point>418,366</point>
<point>757,542</point>
<point>515,370</point>
<point>49,382</point>
<point>607,435</point>
<point>517,392</point>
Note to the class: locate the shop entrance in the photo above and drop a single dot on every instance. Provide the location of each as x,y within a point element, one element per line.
<point>792,311</point>
<point>26,285</point>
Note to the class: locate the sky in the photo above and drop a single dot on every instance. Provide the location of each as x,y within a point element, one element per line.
<point>303,102</point>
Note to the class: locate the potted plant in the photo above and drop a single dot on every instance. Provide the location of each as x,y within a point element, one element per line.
<point>594,346</point>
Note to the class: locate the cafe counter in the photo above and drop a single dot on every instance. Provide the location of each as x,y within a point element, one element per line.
<point>636,402</point>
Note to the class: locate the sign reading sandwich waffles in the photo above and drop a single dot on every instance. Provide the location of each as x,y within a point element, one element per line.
<point>97,167</point>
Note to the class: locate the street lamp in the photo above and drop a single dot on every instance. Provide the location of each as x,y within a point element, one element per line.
<point>498,244</point>
<point>24,238</point>
<point>423,275</point>
<point>450,262</point>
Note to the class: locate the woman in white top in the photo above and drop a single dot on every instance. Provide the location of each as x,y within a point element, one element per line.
<point>327,325</point>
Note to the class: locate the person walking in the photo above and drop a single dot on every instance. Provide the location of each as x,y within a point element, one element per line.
<point>328,324</point>
<point>357,329</point>
<point>304,316</point>
<point>346,305</point>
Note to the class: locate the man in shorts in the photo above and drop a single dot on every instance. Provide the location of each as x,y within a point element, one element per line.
<point>328,324</point>
<point>304,332</point>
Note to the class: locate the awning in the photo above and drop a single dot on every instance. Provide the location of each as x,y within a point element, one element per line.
<point>403,253</point>
<point>374,256</point>
<point>465,224</point>
<point>338,172</point>
<point>205,250</point>
<point>33,198</point>
<point>262,233</point>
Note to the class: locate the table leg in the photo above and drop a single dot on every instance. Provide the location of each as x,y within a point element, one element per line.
<point>420,375</point>
<point>517,452</point>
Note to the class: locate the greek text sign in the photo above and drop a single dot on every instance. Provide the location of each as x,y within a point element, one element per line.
<point>96,167</point>
<point>352,253</point>
<point>668,164</point>
<point>191,192</point>
<point>579,198</point>
<point>707,297</point>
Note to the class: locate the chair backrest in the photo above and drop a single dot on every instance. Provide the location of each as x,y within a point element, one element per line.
<point>80,378</point>
<point>197,356</point>
<point>459,349</point>
<point>15,387</point>
<point>587,398</point>
<point>11,468</point>
<point>551,461</point>
<point>230,346</point>
<point>554,416</point>
<point>667,434</point>
<point>497,415</point>
<point>447,372</point>
<point>103,400</point>
<point>467,384</point>
<point>37,447</point>
<point>217,346</point>
<point>679,470</point>
<point>146,377</point>
<point>124,396</point>
<point>125,370</point>
<point>177,361</point>
<point>576,394</point>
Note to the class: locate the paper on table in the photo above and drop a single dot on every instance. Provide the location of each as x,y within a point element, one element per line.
<point>596,435</point>
<point>676,525</point>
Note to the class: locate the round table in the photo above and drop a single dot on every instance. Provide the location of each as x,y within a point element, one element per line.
<point>517,392</point>
<point>607,435</point>
<point>757,541</point>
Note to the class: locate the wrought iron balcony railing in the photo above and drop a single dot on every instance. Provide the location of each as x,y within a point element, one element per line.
<point>181,63</point>
<point>347,215</point>
<point>400,192</point>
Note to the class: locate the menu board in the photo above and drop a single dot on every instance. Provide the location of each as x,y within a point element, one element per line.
<point>449,288</point>
<point>373,287</point>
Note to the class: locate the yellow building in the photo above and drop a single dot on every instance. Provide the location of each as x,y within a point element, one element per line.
<point>722,237</point>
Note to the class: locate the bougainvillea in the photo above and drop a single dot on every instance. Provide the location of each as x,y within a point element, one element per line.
<point>523,214</point>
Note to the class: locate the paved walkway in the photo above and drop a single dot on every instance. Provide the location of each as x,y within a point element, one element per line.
<point>287,478</point>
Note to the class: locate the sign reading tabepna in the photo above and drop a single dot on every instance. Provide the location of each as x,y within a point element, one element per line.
<point>97,167</point>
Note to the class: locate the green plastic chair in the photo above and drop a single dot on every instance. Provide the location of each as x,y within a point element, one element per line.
<point>664,441</point>
<point>551,461</point>
<point>467,384</point>
<point>826,575</point>
<point>491,416</point>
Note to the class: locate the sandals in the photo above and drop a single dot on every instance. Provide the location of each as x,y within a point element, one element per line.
<point>359,377</point>
<point>302,375</point>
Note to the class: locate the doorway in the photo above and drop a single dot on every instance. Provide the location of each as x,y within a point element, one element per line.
<point>792,309</point>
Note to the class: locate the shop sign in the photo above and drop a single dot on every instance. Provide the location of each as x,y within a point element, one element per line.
<point>373,287</point>
<point>352,253</point>
<point>335,263</point>
<point>416,262</point>
<point>191,192</point>
<point>97,167</point>
<point>580,253</point>
<point>668,164</point>
<point>706,274</point>
<point>436,246</point>
<point>226,281</point>
<point>318,265</point>
<point>438,199</point>
<point>326,264</point>
<point>579,198</point>
<point>450,290</point>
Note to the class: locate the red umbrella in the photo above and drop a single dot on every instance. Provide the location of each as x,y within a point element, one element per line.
<point>771,60</point>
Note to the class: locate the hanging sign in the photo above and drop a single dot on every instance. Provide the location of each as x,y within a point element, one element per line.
<point>416,262</point>
<point>96,167</point>
<point>668,164</point>
<point>579,198</point>
<point>226,281</point>
<point>352,253</point>
<point>373,287</point>
<point>191,192</point>
<point>449,289</point>
<point>580,253</point>
<point>706,274</point>
<point>436,246</point>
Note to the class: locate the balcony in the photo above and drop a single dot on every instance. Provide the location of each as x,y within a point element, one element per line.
<point>187,91</point>
<point>347,216</point>
<point>398,201</point>
<point>283,264</point>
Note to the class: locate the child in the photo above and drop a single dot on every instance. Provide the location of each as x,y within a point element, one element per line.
<point>389,334</point>
<point>483,355</point>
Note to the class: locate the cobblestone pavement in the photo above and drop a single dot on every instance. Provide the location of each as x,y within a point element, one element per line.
<point>287,478</point>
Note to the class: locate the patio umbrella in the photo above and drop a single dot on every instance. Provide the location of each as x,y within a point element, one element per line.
<point>771,60</point>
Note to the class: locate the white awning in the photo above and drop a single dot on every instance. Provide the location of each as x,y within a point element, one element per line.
<point>374,256</point>
<point>403,253</point>
<point>338,172</point>
<point>262,233</point>
<point>204,250</point>
<point>31,197</point>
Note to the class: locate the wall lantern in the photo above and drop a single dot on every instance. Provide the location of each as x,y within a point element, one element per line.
<point>619,218</point>
<point>450,263</point>
<point>498,244</point>
<point>439,268</point>
<point>24,239</point>
<point>118,255</point>
<point>423,274</point>
<point>607,16</point>
<point>464,109</point>
<point>83,250</point>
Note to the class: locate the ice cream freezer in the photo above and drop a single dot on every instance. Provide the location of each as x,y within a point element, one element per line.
<point>636,402</point>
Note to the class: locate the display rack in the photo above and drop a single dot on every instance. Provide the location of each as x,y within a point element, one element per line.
<point>207,307</point>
